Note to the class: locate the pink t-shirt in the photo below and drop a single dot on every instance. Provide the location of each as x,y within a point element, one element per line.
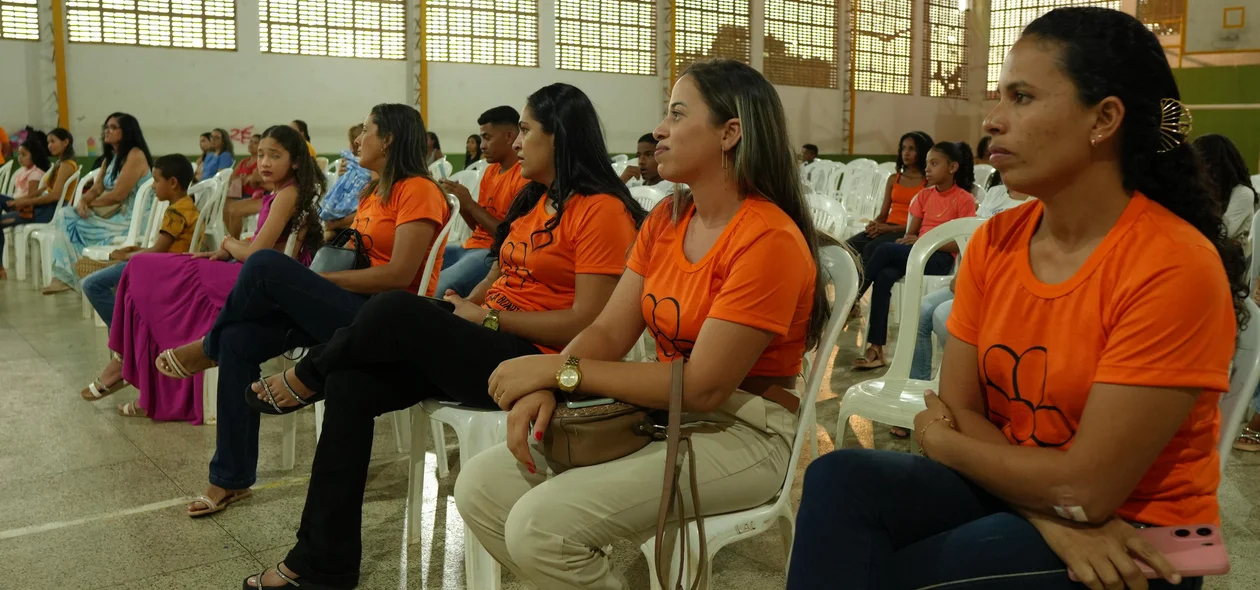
<point>22,181</point>
<point>935,207</point>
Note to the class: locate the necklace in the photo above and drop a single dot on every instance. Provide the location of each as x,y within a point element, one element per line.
<point>949,207</point>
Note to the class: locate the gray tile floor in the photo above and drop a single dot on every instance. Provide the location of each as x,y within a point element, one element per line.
<point>89,499</point>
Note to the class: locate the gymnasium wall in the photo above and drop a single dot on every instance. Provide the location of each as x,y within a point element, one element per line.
<point>1238,85</point>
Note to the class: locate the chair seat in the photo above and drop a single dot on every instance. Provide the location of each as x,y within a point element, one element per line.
<point>890,401</point>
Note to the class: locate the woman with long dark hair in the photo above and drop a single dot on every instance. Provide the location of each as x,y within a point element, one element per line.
<point>559,252</point>
<point>1229,183</point>
<point>221,155</point>
<point>899,191</point>
<point>105,210</point>
<point>278,303</point>
<point>725,276</point>
<point>163,300</point>
<point>472,151</point>
<point>1089,343</point>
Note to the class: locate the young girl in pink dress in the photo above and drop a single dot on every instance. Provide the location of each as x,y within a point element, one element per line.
<point>164,300</point>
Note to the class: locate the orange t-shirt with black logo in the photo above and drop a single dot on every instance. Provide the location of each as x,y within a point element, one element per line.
<point>412,199</point>
<point>758,274</point>
<point>498,189</point>
<point>539,269</point>
<point>1150,307</point>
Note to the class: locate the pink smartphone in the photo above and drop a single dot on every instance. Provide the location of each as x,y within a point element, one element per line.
<point>1195,550</point>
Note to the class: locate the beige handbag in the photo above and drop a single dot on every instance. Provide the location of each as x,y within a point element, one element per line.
<point>580,437</point>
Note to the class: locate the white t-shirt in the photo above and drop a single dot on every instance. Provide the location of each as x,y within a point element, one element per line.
<point>1242,208</point>
<point>666,187</point>
<point>997,200</point>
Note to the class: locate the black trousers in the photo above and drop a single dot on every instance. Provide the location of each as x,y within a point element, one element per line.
<point>400,350</point>
<point>276,305</point>
<point>865,246</point>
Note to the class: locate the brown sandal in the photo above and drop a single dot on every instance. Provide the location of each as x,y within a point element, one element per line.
<point>1248,441</point>
<point>97,390</point>
<point>866,363</point>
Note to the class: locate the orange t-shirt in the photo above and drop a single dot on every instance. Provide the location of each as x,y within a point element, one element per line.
<point>495,195</point>
<point>759,274</point>
<point>540,269</point>
<point>899,212</point>
<point>1150,307</point>
<point>934,207</point>
<point>411,199</point>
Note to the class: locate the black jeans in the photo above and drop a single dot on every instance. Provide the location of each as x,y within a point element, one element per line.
<point>881,519</point>
<point>884,269</point>
<point>276,305</point>
<point>400,350</point>
<point>865,246</point>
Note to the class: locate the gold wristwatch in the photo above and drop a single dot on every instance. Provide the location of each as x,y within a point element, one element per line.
<point>492,320</point>
<point>569,377</point>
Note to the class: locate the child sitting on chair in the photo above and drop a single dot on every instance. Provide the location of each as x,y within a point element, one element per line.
<point>172,175</point>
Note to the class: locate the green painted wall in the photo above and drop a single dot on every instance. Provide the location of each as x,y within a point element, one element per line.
<point>1225,85</point>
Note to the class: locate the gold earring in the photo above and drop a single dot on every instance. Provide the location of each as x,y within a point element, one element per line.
<point>1175,122</point>
<point>724,162</point>
<point>1093,142</point>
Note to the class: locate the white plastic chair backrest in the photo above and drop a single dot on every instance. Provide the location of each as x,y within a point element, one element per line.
<point>984,173</point>
<point>204,195</point>
<point>441,169</point>
<point>333,166</point>
<point>74,181</point>
<point>957,230</point>
<point>646,196</point>
<point>1243,378</point>
<point>471,179</point>
<point>330,178</point>
<point>6,172</point>
<point>632,162</point>
<point>842,274</point>
<point>828,214</point>
<point>439,244</point>
<point>834,177</point>
<point>224,174</point>
<point>865,163</point>
<point>139,212</point>
<point>155,223</point>
<point>93,175</point>
<point>620,158</point>
<point>619,167</point>
<point>890,167</point>
<point>478,165</point>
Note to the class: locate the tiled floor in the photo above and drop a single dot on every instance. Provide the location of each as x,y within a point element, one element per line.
<point>91,500</point>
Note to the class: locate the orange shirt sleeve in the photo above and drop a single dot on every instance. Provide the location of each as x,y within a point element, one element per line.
<point>641,253</point>
<point>603,233</point>
<point>764,283</point>
<point>420,200</point>
<point>916,203</point>
<point>1156,343</point>
<point>964,317</point>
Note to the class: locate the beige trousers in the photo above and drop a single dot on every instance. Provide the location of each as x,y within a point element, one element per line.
<point>548,528</point>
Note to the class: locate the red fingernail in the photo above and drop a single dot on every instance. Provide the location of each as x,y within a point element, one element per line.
<point>531,468</point>
<point>538,435</point>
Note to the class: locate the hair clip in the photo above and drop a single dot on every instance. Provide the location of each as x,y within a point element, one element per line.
<point>1174,124</point>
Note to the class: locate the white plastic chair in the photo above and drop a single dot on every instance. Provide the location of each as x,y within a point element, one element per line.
<point>209,201</point>
<point>139,213</point>
<point>619,158</point>
<point>1255,252</point>
<point>1244,376</point>
<point>723,529</point>
<point>19,235</point>
<point>863,163</point>
<point>6,174</point>
<point>478,165</point>
<point>895,398</point>
<point>984,175</point>
<point>829,215</point>
<point>46,235</point>
<point>470,179</point>
<point>889,167</point>
<point>332,167</point>
<point>646,196</point>
<point>441,169</point>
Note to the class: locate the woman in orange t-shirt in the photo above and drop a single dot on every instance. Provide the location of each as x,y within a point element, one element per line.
<point>1089,342</point>
<point>724,276</point>
<point>899,191</point>
<point>559,251</point>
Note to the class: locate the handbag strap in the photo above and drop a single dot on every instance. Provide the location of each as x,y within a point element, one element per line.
<point>671,492</point>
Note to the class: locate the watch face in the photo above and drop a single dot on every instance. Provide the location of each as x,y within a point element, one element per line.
<point>569,377</point>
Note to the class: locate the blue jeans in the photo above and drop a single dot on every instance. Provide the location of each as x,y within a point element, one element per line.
<point>462,269</point>
<point>42,214</point>
<point>99,288</point>
<point>933,312</point>
<point>882,519</point>
<point>276,305</point>
<point>883,269</point>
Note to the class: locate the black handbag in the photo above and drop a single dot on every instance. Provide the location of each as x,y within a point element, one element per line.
<point>347,251</point>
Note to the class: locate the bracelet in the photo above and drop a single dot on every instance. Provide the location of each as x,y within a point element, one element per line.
<point>923,431</point>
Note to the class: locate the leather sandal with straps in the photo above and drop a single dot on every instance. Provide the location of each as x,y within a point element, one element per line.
<point>270,405</point>
<point>97,390</point>
<point>1248,441</point>
<point>288,582</point>
<point>213,507</point>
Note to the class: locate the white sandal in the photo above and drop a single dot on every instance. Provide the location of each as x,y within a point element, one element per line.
<point>213,507</point>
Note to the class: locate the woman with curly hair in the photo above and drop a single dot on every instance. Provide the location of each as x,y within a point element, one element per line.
<point>1089,343</point>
